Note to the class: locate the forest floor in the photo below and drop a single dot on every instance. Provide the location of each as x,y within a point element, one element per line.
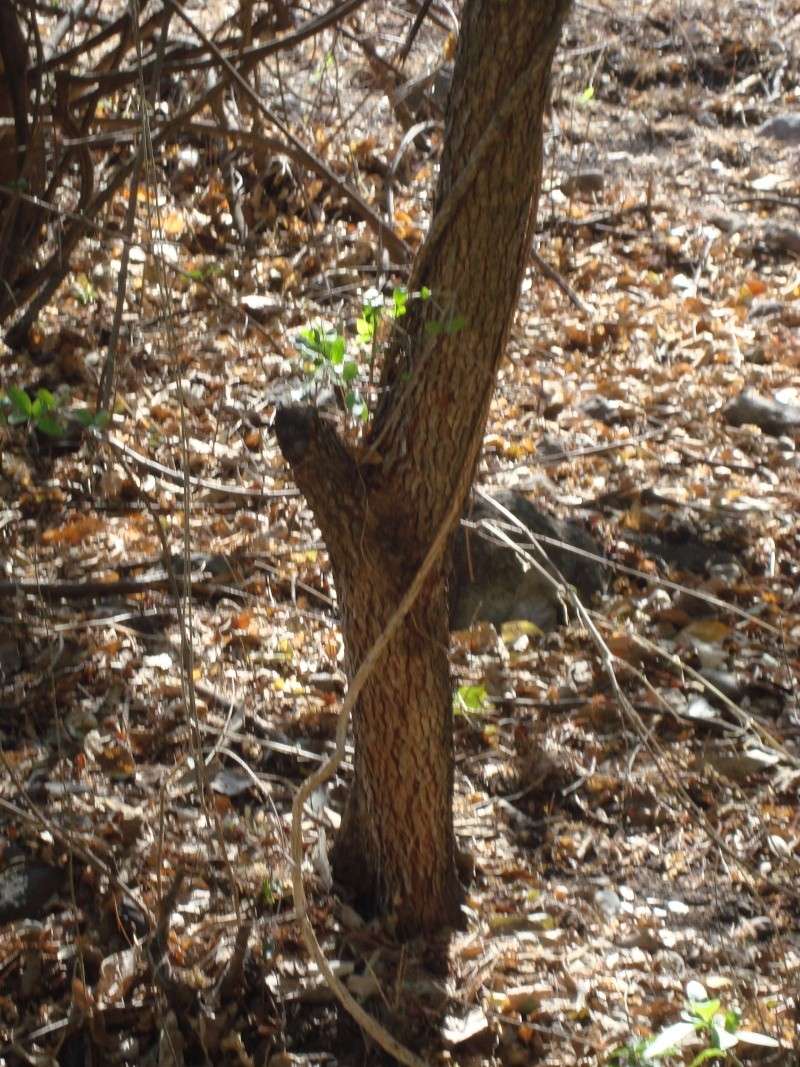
<point>627,785</point>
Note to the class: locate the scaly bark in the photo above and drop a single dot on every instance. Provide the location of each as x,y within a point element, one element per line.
<point>379,510</point>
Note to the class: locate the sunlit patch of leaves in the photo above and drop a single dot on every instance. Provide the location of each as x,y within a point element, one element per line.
<point>703,1019</point>
<point>328,357</point>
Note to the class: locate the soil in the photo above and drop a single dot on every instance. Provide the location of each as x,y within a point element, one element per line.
<point>627,784</point>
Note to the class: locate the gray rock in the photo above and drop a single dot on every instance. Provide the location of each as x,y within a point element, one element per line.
<point>771,416</point>
<point>490,582</point>
<point>780,237</point>
<point>584,183</point>
<point>682,550</point>
<point>784,128</point>
<point>27,887</point>
<point>428,91</point>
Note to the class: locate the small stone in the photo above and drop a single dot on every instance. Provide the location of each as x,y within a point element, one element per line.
<point>781,237</point>
<point>584,183</point>
<point>751,409</point>
<point>785,128</point>
<point>491,583</point>
<point>608,902</point>
<point>27,887</point>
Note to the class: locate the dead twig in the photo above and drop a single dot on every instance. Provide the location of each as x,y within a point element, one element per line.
<point>555,276</point>
<point>233,974</point>
<point>396,245</point>
<point>178,477</point>
<point>609,662</point>
<point>44,282</point>
<point>179,995</point>
<point>416,26</point>
<point>767,200</point>
<point>102,590</point>
<point>108,376</point>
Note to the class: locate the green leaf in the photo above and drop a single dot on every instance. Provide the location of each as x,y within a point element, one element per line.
<point>318,343</point>
<point>708,1054</point>
<point>669,1039</point>
<point>349,371</point>
<point>46,400</point>
<point>424,293</point>
<point>84,290</point>
<point>750,1037</point>
<point>86,417</point>
<point>304,343</point>
<point>21,401</point>
<point>704,1010</point>
<point>400,302</point>
<point>514,629</point>
<point>722,1038</point>
<point>50,425</point>
<point>371,311</point>
<point>469,698</point>
<point>310,340</point>
<point>365,329</point>
<point>354,403</point>
<point>203,272</point>
<point>334,349</point>
<point>630,1055</point>
<point>732,1020</point>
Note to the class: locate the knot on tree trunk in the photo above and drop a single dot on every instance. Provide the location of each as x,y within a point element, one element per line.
<point>325,471</point>
<point>295,428</point>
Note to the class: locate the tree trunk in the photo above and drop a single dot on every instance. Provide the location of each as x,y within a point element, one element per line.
<point>380,506</point>
<point>16,158</point>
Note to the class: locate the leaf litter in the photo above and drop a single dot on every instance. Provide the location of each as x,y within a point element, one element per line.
<point>608,860</point>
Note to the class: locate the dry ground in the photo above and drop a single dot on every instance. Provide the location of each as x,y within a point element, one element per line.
<point>629,829</point>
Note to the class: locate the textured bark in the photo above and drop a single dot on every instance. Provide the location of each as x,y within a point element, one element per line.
<point>15,215</point>
<point>379,510</point>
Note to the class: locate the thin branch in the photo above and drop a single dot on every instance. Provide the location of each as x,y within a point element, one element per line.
<point>51,275</point>
<point>629,712</point>
<point>555,276</point>
<point>108,376</point>
<point>256,496</point>
<point>396,245</point>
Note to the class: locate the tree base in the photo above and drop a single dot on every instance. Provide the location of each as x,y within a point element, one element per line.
<point>423,908</point>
